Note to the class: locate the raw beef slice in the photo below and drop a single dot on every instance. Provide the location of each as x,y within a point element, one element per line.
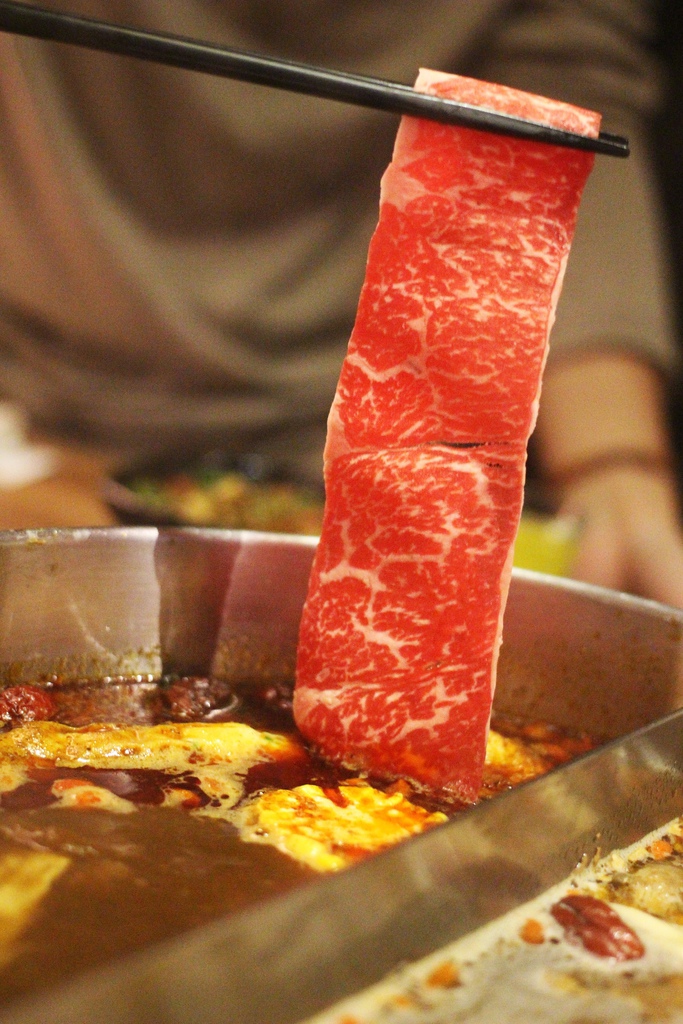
<point>424,463</point>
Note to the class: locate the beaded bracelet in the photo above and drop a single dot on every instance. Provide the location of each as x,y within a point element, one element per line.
<point>651,462</point>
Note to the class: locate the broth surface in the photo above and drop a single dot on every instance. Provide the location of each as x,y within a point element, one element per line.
<point>132,880</point>
<point>122,856</point>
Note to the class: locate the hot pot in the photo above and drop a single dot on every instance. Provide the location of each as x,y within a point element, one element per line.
<point>109,602</point>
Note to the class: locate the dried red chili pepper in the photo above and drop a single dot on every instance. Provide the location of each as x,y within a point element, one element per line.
<point>592,923</point>
<point>25,704</point>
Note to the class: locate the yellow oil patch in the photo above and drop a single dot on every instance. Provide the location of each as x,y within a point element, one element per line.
<point>513,756</point>
<point>331,830</point>
<point>25,878</point>
<point>170,747</point>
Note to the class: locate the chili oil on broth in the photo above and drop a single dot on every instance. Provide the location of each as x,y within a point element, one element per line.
<point>98,777</point>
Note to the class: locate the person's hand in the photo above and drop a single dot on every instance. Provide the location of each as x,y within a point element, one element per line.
<point>605,451</point>
<point>630,536</point>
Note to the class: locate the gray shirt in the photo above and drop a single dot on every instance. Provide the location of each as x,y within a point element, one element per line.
<point>181,256</point>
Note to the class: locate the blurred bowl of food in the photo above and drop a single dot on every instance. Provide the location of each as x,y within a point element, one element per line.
<point>216,489</point>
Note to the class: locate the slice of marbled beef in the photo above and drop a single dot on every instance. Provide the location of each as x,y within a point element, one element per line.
<point>426,447</point>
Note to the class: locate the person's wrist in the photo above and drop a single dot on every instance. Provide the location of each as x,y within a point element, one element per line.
<point>595,409</point>
<point>640,494</point>
<point>646,460</point>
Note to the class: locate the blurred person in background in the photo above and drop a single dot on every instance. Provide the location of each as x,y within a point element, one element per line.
<point>182,255</point>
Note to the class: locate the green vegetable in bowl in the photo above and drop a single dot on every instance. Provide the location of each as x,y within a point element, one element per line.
<point>229,499</point>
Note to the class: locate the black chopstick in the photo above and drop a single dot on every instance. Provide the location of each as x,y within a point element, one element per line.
<point>193,55</point>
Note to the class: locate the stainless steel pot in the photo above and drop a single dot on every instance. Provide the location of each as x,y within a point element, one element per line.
<point>139,600</point>
<point>99,602</point>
